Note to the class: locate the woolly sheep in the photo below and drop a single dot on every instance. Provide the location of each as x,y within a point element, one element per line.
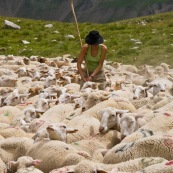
<point>7,81</point>
<point>93,99</point>
<point>158,125</point>
<point>166,167</point>
<point>7,114</point>
<point>86,125</point>
<point>141,148</point>
<point>54,154</point>
<point>97,142</point>
<point>14,147</point>
<point>54,131</point>
<point>88,166</point>
<point>118,103</point>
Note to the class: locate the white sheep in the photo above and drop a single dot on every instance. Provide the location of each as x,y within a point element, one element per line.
<point>54,131</point>
<point>110,118</point>
<point>130,122</point>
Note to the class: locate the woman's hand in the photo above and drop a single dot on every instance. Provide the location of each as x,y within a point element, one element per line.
<point>89,78</point>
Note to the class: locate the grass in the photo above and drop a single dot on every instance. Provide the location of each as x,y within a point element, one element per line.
<point>154,32</point>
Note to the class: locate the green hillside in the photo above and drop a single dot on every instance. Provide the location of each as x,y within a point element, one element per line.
<point>153,35</point>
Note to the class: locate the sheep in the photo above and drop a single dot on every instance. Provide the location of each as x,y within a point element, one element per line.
<point>54,131</point>
<point>130,122</point>
<point>87,126</point>
<point>110,118</point>
<point>22,71</point>
<point>140,91</point>
<point>50,80</point>
<point>14,98</point>
<point>130,166</point>
<point>7,81</point>
<point>159,124</point>
<point>55,154</point>
<point>8,113</point>
<point>98,141</point>
<point>43,104</point>
<point>14,147</point>
<point>141,148</point>
<point>93,99</point>
<point>89,84</point>
<point>165,166</point>
<point>64,98</point>
<point>160,85</point>
<point>80,101</point>
<point>57,113</point>
<point>24,164</point>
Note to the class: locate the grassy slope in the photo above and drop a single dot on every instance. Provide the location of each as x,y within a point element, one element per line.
<point>156,37</point>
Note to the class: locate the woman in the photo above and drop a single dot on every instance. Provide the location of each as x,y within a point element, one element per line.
<point>94,53</point>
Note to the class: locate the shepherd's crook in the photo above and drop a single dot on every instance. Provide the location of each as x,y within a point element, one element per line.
<point>77,28</point>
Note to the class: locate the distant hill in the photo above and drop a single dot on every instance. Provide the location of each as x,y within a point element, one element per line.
<point>97,11</point>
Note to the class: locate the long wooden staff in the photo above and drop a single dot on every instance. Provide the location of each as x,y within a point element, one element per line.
<point>78,33</point>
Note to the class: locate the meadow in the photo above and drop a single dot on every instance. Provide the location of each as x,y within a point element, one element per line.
<point>144,40</point>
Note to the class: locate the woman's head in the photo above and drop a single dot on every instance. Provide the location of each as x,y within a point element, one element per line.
<point>94,37</point>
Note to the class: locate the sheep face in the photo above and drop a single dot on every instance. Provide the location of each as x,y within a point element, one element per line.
<point>23,162</point>
<point>139,91</point>
<point>127,125</point>
<point>110,118</point>
<point>58,131</point>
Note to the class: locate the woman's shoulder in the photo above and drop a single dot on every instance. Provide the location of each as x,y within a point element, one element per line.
<point>85,47</point>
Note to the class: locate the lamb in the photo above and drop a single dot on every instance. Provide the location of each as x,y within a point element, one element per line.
<point>24,164</point>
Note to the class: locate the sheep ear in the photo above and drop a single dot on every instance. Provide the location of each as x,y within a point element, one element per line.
<point>36,162</point>
<point>71,130</point>
<point>121,111</point>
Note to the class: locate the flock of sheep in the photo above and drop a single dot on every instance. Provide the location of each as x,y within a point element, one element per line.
<point>49,125</point>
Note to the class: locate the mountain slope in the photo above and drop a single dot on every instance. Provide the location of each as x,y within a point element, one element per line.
<point>97,11</point>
